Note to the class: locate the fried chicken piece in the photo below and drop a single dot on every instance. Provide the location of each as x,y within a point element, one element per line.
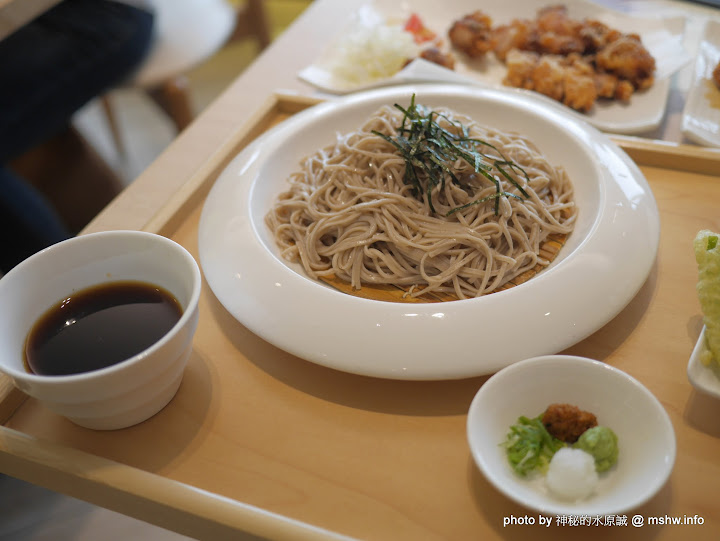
<point>583,64</point>
<point>519,34</point>
<point>580,91</point>
<point>624,90</point>
<point>567,80</point>
<point>555,19</point>
<point>550,43</point>
<point>548,77</point>
<point>472,34</point>
<point>596,35</point>
<point>557,33</point>
<point>627,58</point>
<point>553,32</point>
<point>520,67</point>
<point>566,422</point>
<point>605,84</point>
<point>436,56</point>
<point>716,75</point>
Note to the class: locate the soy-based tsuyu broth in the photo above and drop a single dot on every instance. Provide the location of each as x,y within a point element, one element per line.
<point>99,326</point>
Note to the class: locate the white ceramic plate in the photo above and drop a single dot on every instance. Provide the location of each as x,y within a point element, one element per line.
<point>702,377</point>
<point>646,437</point>
<point>701,116</point>
<point>663,37</point>
<point>603,264</point>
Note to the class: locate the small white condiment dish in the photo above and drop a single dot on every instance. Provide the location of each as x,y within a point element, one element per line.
<point>702,377</point>
<point>646,437</point>
<point>125,393</point>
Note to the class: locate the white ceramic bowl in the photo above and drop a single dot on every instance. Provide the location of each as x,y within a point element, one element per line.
<point>613,247</point>
<point>133,390</point>
<point>645,434</point>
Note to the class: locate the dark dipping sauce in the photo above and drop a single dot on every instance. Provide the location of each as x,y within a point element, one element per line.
<point>98,327</point>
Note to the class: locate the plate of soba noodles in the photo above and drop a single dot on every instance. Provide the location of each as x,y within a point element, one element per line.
<point>427,232</point>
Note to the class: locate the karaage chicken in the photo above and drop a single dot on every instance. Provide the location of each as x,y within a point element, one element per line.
<point>569,60</point>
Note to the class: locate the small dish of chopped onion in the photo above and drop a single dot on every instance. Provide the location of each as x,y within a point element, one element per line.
<point>568,481</point>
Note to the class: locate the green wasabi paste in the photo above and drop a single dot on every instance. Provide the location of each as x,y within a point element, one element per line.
<point>602,443</point>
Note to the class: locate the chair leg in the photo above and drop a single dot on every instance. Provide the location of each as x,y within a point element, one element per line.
<point>252,21</point>
<point>256,13</point>
<point>173,97</point>
<point>72,175</point>
<point>113,124</point>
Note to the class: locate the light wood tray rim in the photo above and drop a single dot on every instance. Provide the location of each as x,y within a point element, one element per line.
<point>175,505</point>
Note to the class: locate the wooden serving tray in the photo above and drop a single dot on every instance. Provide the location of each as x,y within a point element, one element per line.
<point>259,441</point>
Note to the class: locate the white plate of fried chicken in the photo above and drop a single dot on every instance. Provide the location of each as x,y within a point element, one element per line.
<point>609,68</point>
<point>701,116</point>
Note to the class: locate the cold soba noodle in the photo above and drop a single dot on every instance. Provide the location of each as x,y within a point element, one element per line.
<point>470,213</point>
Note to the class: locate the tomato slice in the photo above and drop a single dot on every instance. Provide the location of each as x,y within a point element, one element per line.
<point>417,28</point>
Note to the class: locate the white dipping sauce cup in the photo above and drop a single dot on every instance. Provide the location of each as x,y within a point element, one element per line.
<point>125,393</point>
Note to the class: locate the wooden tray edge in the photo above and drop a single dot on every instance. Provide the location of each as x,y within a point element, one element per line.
<point>669,155</point>
<point>181,507</point>
<point>147,496</point>
<point>165,221</point>
<point>11,398</point>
